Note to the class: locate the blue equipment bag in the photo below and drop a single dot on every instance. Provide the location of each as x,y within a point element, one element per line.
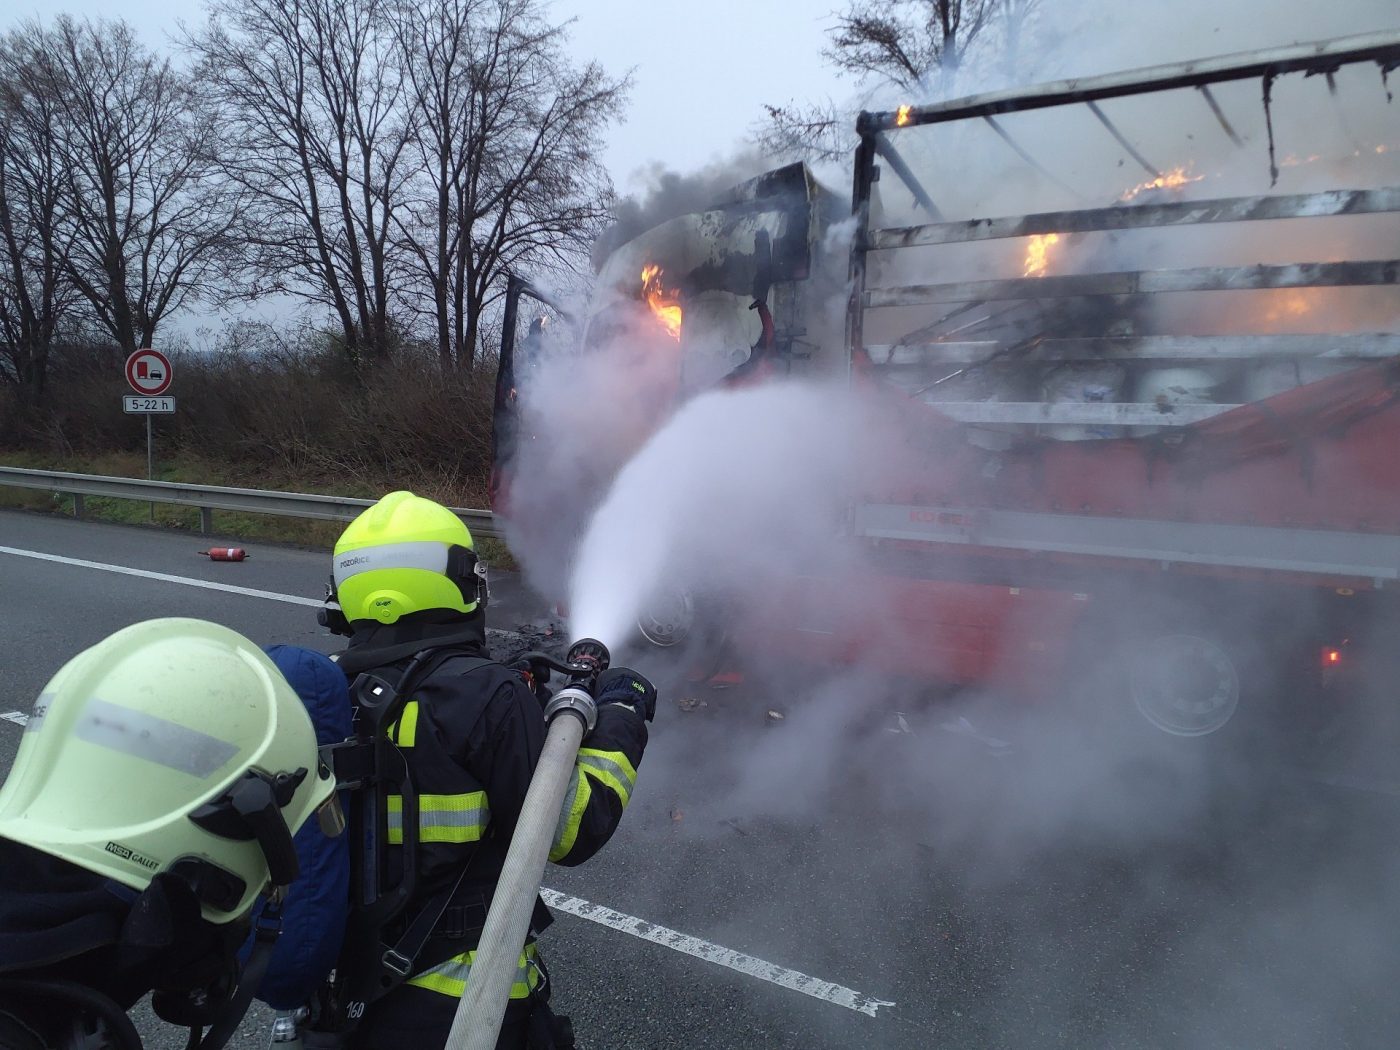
<point>318,902</point>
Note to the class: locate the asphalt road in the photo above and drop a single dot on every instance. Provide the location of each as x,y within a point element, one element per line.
<point>1059,891</point>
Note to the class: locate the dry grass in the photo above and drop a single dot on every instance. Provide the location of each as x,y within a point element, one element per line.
<point>259,412</point>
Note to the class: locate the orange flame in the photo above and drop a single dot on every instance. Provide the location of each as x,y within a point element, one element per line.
<point>1038,253</point>
<point>665,305</point>
<point>901,116</point>
<point>1288,306</point>
<point>1170,180</point>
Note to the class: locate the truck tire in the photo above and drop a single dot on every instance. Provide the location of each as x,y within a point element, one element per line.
<point>1183,684</point>
<point>1185,673</point>
<point>669,619</point>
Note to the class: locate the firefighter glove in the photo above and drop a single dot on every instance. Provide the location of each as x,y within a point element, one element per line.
<point>622,685</point>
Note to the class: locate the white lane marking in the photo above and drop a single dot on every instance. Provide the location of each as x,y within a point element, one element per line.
<point>19,718</point>
<point>1369,785</point>
<point>714,953</point>
<point>165,577</point>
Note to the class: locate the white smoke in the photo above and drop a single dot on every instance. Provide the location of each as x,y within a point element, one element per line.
<point>740,496</point>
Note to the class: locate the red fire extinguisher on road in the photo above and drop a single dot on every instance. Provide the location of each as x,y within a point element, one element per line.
<point>226,553</point>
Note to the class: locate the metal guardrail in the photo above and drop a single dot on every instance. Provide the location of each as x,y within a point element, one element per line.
<point>209,498</point>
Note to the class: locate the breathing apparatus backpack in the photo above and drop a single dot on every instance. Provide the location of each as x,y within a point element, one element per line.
<point>369,767</point>
<point>388,926</point>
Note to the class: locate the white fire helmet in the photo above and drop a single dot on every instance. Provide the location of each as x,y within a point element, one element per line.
<point>175,745</point>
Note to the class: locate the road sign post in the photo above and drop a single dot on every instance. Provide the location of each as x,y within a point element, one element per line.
<point>148,372</point>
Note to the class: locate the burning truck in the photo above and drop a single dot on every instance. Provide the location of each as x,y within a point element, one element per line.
<point>1148,431</point>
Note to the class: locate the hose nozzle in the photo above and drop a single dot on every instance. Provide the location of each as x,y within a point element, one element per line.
<point>587,659</point>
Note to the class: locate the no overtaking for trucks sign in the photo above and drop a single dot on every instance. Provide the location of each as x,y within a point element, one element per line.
<point>148,372</point>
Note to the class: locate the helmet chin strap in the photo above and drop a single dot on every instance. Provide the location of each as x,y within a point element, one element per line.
<point>468,572</point>
<point>331,616</point>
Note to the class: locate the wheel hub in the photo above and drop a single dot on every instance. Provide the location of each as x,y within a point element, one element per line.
<point>669,620</point>
<point>1184,684</point>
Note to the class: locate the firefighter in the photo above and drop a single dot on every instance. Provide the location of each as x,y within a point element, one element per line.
<point>156,791</point>
<point>407,586</point>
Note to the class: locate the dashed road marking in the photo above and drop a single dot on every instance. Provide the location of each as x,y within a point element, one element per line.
<point>837,995</point>
<point>19,718</point>
<point>1350,782</point>
<point>165,577</point>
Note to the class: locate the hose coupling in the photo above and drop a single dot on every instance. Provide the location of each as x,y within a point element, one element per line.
<point>577,699</point>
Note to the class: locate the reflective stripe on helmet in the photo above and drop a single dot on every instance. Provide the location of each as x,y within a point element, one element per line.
<point>158,723</point>
<point>155,739</point>
<point>413,554</point>
<point>443,818</point>
<point>450,978</point>
<point>36,717</point>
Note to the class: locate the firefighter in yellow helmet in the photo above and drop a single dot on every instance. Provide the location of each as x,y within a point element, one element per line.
<point>161,777</point>
<point>408,590</point>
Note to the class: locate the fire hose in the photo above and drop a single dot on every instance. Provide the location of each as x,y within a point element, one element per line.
<point>570,714</point>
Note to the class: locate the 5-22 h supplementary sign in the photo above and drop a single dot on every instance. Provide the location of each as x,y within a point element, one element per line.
<point>141,405</point>
<point>148,372</point>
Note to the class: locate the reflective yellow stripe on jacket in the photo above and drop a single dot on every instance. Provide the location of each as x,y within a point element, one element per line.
<point>612,771</point>
<point>443,818</point>
<point>404,732</point>
<point>450,977</point>
<point>610,768</point>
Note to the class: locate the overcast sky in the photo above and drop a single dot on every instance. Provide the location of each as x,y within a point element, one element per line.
<point>702,70</point>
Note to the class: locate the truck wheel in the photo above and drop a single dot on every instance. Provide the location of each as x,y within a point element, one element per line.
<point>669,620</point>
<point>1183,684</point>
<point>692,629</point>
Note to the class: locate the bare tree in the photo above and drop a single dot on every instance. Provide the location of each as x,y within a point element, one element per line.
<point>507,138</point>
<point>400,155</point>
<point>1017,18</point>
<point>818,131</point>
<point>917,47</point>
<point>35,295</point>
<point>907,42</point>
<point>312,91</point>
<point>149,221</point>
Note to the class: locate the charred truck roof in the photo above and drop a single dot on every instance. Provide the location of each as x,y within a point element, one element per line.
<point>720,248</point>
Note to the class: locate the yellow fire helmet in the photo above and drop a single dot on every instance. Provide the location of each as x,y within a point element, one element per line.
<point>406,554</point>
<point>177,746</point>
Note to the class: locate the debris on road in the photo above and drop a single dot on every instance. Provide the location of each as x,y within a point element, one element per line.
<point>691,703</point>
<point>226,554</point>
<point>960,726</point>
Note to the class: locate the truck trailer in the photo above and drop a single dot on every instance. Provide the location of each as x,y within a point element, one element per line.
<point>1146,434</point>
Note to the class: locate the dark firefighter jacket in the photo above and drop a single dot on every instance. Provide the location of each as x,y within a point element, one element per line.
<point>471,734</point>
